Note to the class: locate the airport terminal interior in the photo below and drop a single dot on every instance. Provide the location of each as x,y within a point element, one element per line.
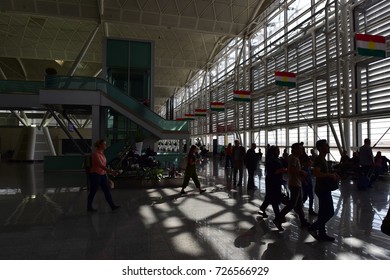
<point>154,77</point>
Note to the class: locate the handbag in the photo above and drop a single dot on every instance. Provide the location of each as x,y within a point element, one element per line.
<point>110,182</point>
<point>329,184</point>
<point>385,227</point>
<point>332,184</point>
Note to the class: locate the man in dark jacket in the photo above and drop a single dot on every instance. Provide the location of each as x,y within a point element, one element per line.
<point>251,160</point>
<point>238,156</point>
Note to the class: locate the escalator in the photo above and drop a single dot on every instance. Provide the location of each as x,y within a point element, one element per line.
<point>79,94</point>
<point>85,92</point>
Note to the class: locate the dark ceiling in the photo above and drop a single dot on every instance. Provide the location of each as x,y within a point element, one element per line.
<point>187,34</point>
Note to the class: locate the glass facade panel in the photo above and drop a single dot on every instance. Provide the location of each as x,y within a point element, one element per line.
<point>333,83</point>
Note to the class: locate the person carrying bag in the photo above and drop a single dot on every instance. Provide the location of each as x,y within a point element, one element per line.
<point>190,172</point>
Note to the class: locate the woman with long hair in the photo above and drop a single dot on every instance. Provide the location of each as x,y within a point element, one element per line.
<point>190,172</point>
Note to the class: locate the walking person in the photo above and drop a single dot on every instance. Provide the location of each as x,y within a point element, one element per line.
<point>228,156</point>
<point>323,191</point>
<point>260,155</point>
<point>295,174</point>
<point>307,183</point>
<point>190,172</point>
<point>366,161</point>
<point>222,153</point>
<point>273,181</point>
<point>98,176</point>
<point>238,156</point>
<point>251,162</point>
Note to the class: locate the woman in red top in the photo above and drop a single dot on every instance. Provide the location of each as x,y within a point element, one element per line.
<point>98,175</point>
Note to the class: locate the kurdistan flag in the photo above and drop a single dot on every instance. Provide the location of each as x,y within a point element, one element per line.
<point>217,106</point>
<point>189,117</point>
<point>200,112</point>
<point>242,95</point>
<point>285,79</point>
<point>371,45</point>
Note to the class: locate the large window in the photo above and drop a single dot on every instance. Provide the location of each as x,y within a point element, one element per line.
<point>339,95</point>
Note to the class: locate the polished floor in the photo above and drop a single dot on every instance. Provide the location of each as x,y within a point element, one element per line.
<point>43,216</point>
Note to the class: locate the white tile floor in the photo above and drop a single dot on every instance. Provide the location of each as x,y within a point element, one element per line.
<point>43,216</point>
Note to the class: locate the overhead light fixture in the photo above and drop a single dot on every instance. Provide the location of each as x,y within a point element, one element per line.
<point>59,62</point>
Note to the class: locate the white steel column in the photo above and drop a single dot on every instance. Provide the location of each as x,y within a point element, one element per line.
<point>83,51</point>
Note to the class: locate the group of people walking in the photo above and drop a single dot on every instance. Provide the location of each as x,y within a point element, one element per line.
<point>299,182</point>
<point>298,167</point>
<point>298,170</point>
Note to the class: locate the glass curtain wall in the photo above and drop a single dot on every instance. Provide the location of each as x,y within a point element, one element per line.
<point>340,95</point>
<point>128,66</point>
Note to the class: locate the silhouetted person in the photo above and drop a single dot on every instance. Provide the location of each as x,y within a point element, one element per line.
<point>295,174</point>
<point>313,155</point>
<point>251,162</point>
<point>273,181</point>
<point>190,172</point>
<point>238,156</point>
<point>323,191</point>
<point>381,164</point>
<point>366,157</point>
<point>260,154</point>
<point>307,183</point>
<point>228,156</point>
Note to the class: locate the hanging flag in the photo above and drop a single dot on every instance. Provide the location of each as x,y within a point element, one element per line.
<point>180,119</point>
<point>371,45</point>
<point>242,95</point>
<point>217,106</point>
<point>200,112</point>
<point>285,79</point>
<point>189,117</point>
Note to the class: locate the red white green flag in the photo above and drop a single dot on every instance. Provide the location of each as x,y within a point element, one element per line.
<point>217,106</point>
<point>242,95</point>
<point>200,112</point>
<point>285,79</point>
<point>189,117</point>
<point>371,45</point>
<point>180,119</point>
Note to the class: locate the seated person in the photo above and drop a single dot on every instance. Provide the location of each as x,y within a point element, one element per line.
<point>355,164</point>
<point>313,155</point>
<point>381,164</point>
<point>345,167</point>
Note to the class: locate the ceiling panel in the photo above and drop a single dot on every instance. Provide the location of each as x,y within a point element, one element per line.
<point>34,33</point>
